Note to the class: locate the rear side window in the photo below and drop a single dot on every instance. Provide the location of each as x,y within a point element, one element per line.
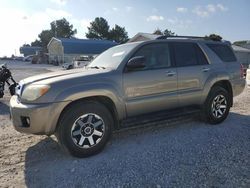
<point>224,52</point>
<point>188,54</point>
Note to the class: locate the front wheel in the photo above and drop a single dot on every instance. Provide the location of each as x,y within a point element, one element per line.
<point>217,105</point>
<point>85,128</point>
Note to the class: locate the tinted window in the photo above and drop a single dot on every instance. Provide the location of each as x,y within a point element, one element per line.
<point>223,51</point>
<point>202,60</point>
<point>156,55</point>
<point>185,54</point>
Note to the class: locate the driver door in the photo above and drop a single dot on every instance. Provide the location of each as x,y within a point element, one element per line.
<point>154,87</point>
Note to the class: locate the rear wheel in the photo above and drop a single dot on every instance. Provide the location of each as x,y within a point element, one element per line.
<point>85,128</point>
<point>217,105</point>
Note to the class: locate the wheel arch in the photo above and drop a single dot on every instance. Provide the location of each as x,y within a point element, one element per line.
<point>227,86</point>
<point>104,100</point>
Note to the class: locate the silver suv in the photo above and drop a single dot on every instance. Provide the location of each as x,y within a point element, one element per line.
<point>82,107</point>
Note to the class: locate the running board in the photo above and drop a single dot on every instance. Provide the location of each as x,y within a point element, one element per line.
<point>170,116</point>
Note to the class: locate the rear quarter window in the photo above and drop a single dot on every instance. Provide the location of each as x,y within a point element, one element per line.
<point>224,52</point>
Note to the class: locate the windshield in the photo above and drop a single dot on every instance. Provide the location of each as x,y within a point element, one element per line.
<point>112,57</point>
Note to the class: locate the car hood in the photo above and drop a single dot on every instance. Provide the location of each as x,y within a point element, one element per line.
<point>61,75</point>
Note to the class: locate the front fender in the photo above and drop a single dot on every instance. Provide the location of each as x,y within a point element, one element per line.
<point>94,90</point>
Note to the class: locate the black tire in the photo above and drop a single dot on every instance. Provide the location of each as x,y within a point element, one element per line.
<point>68,121</point>
<point>209,109</point>
<point>70,67</point>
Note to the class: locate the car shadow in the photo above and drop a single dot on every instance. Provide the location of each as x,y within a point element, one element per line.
<point>4,109</point>
<point>179,154</point>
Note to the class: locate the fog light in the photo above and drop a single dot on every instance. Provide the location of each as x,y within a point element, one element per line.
<point>25,121</point>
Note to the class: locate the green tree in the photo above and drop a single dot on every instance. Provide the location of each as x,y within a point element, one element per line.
<point>26,45</point>
<point>118,34</point>
<point>214,37</point>
<point>169,33</point>
<point>62,28</point>
<point>158,32</point>
<point>100,29</point>
<point>44,37</point>
<point>166,32</point>
<point>36,43</point>
<point>58,28</point>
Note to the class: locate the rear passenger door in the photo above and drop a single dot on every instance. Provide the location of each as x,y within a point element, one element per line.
<point>192,70</point>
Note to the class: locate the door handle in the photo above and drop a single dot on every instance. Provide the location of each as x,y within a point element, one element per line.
<point>205,69</point>
<point>170,73</point>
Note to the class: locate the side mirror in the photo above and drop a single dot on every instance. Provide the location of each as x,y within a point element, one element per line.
<point>136,63</point>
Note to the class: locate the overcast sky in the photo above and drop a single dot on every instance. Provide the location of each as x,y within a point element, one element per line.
<point>22,20</point>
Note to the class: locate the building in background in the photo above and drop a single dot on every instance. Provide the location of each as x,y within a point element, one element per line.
<point>242,54</point>
<point>243,43</point>
<point>246,45</point>
<point>30,50</point>
<point>143,37</point>
<point>64,50</point>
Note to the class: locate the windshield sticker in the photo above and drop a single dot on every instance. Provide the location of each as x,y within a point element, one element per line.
<point>118,54</point>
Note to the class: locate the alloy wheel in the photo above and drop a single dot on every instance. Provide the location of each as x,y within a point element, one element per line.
<point>219,106</point>
<point>88,130</point>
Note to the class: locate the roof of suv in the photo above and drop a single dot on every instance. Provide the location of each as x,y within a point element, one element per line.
<point>193,38</point>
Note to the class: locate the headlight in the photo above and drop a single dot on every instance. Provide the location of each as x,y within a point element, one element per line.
<point>33,92</point>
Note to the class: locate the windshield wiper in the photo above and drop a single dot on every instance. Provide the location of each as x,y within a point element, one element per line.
<point>96,67</point>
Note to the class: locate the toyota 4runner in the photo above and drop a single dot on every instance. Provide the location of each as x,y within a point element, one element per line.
<point>82,107</point>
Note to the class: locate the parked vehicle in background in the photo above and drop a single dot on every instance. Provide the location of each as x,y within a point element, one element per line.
<point>78,63</point>
<point>68,66</point>
<point>245,67</point>
<point>28,58</point>
<point>82,107</point>
<point>18,58</point>
<point>248,76</point>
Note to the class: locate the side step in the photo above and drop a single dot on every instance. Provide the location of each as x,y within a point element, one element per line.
<point>170,116</point>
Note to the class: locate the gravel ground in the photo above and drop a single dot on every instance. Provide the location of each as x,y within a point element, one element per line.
<point>182,154</point>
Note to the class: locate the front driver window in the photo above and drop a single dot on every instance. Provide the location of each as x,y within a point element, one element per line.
<point>156,55</point>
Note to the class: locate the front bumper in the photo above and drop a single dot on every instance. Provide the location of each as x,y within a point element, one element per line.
<point>35,118</point>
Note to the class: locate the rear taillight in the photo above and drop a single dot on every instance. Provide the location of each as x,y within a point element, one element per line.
<point>241,71</point>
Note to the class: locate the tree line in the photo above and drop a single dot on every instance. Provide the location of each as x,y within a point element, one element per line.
<point>98,29</point>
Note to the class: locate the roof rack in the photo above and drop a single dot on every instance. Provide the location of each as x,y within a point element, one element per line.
<point>188,37</point>
<point>194,37</point>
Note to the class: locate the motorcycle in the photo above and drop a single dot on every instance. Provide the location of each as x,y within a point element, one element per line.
<point>6,77</point>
